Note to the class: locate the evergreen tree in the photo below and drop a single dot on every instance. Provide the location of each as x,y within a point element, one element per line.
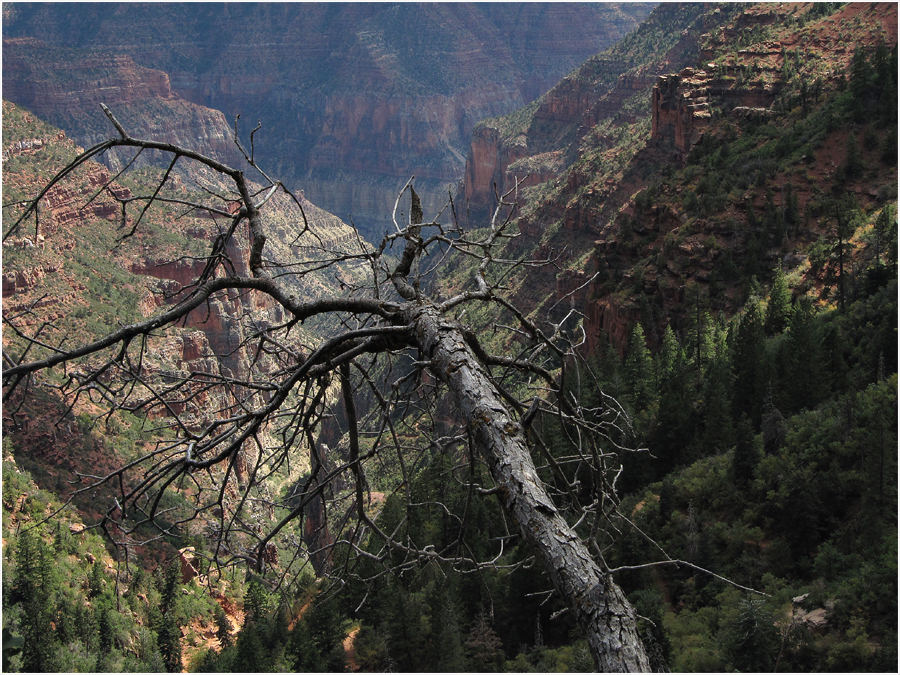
<point>168,585</point>
<point>700,339</point>
<point>63,541</point>
<point>163,619</point>
<point>835,371</point>
<point>35,588</point>
<point>861,79</point>
<point>451,657</point>
<point>105,631</point>
<point>748,362</point>
<point>752,637</point>
<point>853,163</point>
<point>791,208</point>
<point>483,647</point>
<point>885,266</point>
<point>223,627</point>
<point>773,219</point>
<point>718,431</point>
<point>251,653</point>
<point>772,424</point>
<point>639,370</point>
<point>327,629</point>
<point>169,639</point>
<point>805,380</point>
<point>746,455</point>
<point>778,311</point>
<point>301,649</point>
<point>670,355</point>
<point>96,580</point>
<point>846,213</point>
<point>675,419</point>
<point>256,599</point>
<point>148,651</point>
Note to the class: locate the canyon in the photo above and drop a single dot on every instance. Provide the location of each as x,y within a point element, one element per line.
<point>665,181</point>
<point>590,142</point>
<point>353,98</point>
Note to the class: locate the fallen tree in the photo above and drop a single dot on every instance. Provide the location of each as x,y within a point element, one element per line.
<point>401,344</point>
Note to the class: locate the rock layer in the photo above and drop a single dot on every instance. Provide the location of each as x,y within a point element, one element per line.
<point>349,95</point>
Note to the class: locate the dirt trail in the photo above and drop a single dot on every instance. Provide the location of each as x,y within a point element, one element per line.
<point>350,650</point>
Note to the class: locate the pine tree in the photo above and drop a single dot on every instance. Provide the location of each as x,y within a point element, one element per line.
<point>256,599</point>
<point>746,455</point>
<point>748,362</point>
<point>105,631</point>
<point>35,588</point>
<point>753,637</point>
<point>700,338</point>
<point>669,355</point>
<point>483,647</point>
<point>96,580</point>
<point>168,586</point>
<point>772,424</point>
<point>862,78</point>
<point>223,627</point>
<point>805,380</point>
<point>853,162</point>
<point>639,370</point>
<point>845,211</point>
<point>327,627</point>
<point>451,656</point>
<point>773,219</point>
<point>169,638</point>
<point>778,311</point>
<point>791,208</point>
<point>163,618</point>
<point>885,266</point>
<point>675,417</point>
<point>252,654</point>
<point>718,431</point>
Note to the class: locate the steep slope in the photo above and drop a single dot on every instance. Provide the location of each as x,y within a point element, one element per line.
<point>656,193</point>
<point>73,276</point>
<point>353,98</point>
<point>66,86</point>
<point>537,142</point>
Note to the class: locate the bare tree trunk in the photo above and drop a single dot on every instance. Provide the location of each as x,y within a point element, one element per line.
<point>298,385</point>
<point>598,603</point>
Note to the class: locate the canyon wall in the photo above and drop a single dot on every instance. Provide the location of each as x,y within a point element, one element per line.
<point>353,98</point>
<point>600,89</point>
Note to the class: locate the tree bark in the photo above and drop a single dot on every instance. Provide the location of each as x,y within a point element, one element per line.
<point>597,602</point>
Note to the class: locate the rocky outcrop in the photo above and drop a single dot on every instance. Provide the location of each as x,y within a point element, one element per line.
<point>599,90</point>
<point>680,109</point>
<point>24,279</point>
<point>605,320</point>
<point>487,167</point>
<point>683,104</point>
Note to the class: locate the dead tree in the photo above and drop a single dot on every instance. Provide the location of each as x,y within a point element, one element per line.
<point>401,347</point>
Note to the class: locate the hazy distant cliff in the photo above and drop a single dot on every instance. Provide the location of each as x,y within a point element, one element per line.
<point>353,98</point>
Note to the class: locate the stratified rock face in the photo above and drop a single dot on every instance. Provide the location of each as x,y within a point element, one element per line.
<point>594,92</point>
<point>349,95</point>
<point>681,108</point>
<point>67,86</point>
<point>75,83</point>
<point>680,103</point>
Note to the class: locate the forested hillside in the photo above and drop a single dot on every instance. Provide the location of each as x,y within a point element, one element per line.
<point>709,213</point>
